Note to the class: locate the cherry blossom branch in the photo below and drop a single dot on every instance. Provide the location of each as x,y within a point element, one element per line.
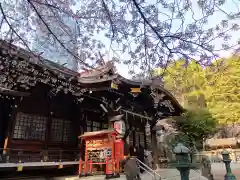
<point>101,58</point>
<point>168,36</point>
<point>191,42</point>
<point>150,25</point>
<point>12,29</point>
<point>1,23</point>
<point>109,17</point>
<point>62,10</point>
<point>55,37</point>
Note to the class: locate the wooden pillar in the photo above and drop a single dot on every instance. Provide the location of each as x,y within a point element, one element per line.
<point>76,123</point>
<point>145,140</point>
<point>131,130</point>
<point>49,124</point>
<point>2,124</point>
<point>11,123</point>
<point>82,121</point>
<point>134,135</point>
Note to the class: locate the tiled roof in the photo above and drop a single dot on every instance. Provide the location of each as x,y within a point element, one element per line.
<point>98,133</point>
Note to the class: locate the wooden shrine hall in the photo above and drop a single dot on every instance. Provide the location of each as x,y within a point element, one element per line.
<point>44,107</point>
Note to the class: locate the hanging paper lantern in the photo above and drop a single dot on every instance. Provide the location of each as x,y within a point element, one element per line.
<point>120,127</point>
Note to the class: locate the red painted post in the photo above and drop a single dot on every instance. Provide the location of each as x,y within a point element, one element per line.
<point>117,164</point>
<point>80,167</point>
<point>106,170</point>
<point>85,167</point>
<point>90,168</point>
<point>86,162</point>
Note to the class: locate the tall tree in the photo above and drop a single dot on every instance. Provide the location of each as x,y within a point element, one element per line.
<point>185,81</point>
<point>194,126</point>
<point>216,87</point>
<point>223,90</point>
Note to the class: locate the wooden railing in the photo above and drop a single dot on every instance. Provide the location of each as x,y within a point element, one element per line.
<point>30,155</point>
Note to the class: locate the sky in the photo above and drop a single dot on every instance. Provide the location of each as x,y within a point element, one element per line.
<point>229,6</point>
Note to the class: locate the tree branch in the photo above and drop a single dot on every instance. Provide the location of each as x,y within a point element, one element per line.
<point>62,10</point>
<point>150,25</point>
<point>57,39</point>
<point>13,30</point>
<point>109,17</point>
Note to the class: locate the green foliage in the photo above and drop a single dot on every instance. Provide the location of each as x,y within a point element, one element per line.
<point>223,90</point>
<point>211,94</point>
<point>196,124</point>
<point>193,127</point>
<point>215,87</point>
<point>186,82</point>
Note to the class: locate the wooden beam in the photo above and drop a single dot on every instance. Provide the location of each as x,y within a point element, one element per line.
<point>49,123</point>
<point>13,92</point>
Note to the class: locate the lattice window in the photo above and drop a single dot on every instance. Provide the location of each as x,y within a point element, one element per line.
<point>30,127</point>
<point>96,126</point>
<point>61,130</point>
<point>105,126</point>
<point>57,130</point>
<point>142,139</point>
<point>89,126</point>
<point>136,138</point>
<point>67,131</point>
<point>131,137</point>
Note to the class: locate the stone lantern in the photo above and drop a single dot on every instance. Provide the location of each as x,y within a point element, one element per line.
<point>182,153</point>
<point>183,162</point>
<point>226,156</point>
<point>226,159</point>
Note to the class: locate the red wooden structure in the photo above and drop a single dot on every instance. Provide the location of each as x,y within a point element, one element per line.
<point>102,148</point>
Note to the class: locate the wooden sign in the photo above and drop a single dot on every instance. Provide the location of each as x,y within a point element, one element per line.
<point>98,143</point>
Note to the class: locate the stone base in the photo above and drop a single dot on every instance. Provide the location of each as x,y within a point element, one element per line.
<point>229,177</point>
<point>112,176</point>
<point>84,175</point>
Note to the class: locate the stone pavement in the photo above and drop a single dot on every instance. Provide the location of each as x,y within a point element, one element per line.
<point>173,174</point>
<point>219,175</point>
<point>219,170</point>
<point>166,174</point>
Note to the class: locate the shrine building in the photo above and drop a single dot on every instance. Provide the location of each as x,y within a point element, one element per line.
<point>44,107</point>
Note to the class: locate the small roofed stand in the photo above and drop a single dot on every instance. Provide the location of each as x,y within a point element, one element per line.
<point>102,148</point>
